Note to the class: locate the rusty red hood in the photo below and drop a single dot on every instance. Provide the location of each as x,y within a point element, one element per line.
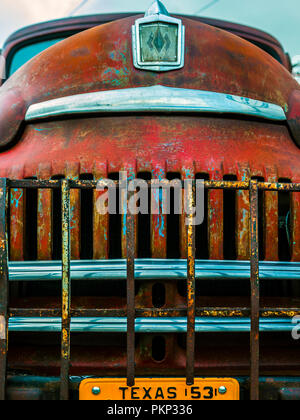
<point>101,59</point>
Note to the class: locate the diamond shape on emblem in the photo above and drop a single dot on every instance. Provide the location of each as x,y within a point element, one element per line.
<point>158,40</point>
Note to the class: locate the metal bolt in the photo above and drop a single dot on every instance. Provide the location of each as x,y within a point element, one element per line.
<point>96,390</point>
<point>222,390</point>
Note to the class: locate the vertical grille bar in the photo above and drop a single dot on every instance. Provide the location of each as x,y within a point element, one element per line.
<point>130,247</point>
<point>17,225</point>
<point>17,222</point>
<point>242,229</point>
<point>66,291</point>
<point>44,225</point>
<point>100,222</point>
<point>216,219</point>
<point>255,292</point>
<point>271,219</point>
<point>130,170</point>
<point>186,173</point>
<point>191,293</point>
<point>183,232</point>
<point>72,173</point>
<point>158,221</point>
<point>44,218</point>
<point>4,291</point>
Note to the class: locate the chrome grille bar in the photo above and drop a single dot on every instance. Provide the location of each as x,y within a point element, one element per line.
<point>147,269</point>
<point>150,325</point>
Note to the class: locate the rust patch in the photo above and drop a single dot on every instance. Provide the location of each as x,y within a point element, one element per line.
<point>80,52</point>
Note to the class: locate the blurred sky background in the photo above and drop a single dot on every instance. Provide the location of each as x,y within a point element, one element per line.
<point>280,18</point>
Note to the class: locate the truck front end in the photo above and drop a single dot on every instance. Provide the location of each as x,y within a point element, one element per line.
<point>103,301</point>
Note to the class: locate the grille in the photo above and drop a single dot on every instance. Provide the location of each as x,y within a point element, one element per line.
<point>35,226</point>
<point>47,217</point>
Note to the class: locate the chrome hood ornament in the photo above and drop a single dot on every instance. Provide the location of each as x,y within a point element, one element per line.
<point>157,8</point>
<point>158,40</point>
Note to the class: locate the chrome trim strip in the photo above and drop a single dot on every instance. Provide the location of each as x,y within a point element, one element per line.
<point>149,325</point>
<point>154,99</point>
<point>148,269</point>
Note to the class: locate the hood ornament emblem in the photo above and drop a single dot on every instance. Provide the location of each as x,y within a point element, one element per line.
<point>158,40</point>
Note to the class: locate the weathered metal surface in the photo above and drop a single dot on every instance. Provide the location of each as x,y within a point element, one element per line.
<point>114,66</point>
<point>17,222</point>
<point>130,242</point>
<point>218,185</point>
<point>44,217</point>
<point>66,291</point>
<point>4,290</point>
<point>100,222</point>
<point>158,218</point>
<point>271,218</point>
<point>205,312</point>
<point>242,216</point>
<point>193,138</point>
<point>279,186</point>
<point>72,172</point>
<point>216,215</point>
<point>191,289</point>
<point>187,173</point>
<point>160,144</point>
<point>129,168</point>
<point>255,291</point>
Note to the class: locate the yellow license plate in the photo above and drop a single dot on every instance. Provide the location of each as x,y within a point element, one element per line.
<point>159,390</point>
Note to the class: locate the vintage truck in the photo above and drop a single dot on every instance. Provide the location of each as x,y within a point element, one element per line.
<point>208,311</point>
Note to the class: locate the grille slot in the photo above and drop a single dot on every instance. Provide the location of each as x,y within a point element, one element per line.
<point>158,295</point>
<point>158,349</point>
